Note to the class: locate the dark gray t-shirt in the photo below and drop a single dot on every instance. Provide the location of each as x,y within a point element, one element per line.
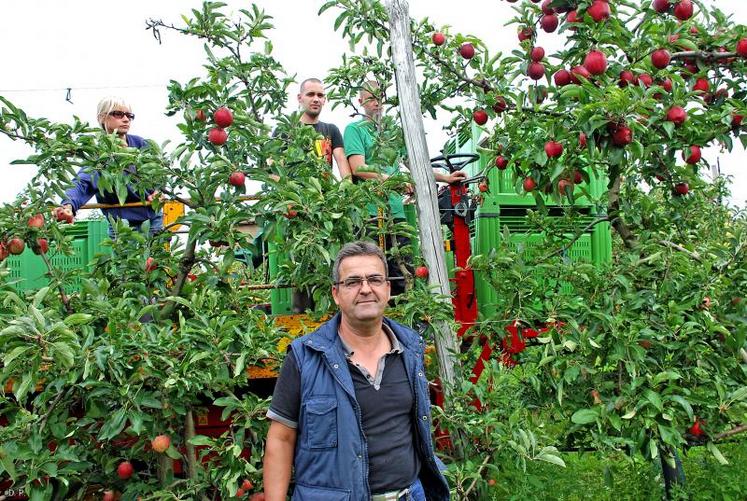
<point>387,408</point>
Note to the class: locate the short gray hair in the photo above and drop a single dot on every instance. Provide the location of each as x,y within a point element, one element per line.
<point>359,248</point>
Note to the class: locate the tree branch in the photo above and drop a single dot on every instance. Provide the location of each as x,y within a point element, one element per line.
<point>729,433</point>
<point>678,247</point>
<point>576,237</point>
<point>613,210</point>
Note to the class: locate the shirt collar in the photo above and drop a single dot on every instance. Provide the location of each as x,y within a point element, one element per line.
<point>396,346</point>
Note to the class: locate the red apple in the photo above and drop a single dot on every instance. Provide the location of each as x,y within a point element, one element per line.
<point>706,304</point>
<point>661,6</point>
<point>480,117</point>
<point>529,184</point>
<point>622,136</point>
<point>15,246</point>
<point>236,179</point>
<point>578,178</point>
<point>125,470</point>
<point>564,185</point>
<point>572,18</point>
<point>677,115</point>
<point>525,34</point>
<point>500,104</point>
<point>666,84</point>
<point>535,71</point>
<point>742,47</point>
<point>161,443</point>
<point>736,119</point>
<point>200,115</point>
<point>3,252</point>
<point>467,50</point>
<point>438,39</point>
<point>701,85</point>
<point>63,215</point>
<point>109,496</point>
<point>421,272</point>
<point>627,78</point>
<point>582,140</point>
<point>695,429</point>
<point>579,71</point>
<point>290,213</point>
<point>501,162</point>
<point>546,9</point>
<point>645,79</point>
<point>549,22</point>
<point>562,78</point>
<point>683,10</point>
<point>537,54</point>
<point>553,149</point>
<point>217,136</point>
<point>41,246</point>
<point>240,492</point>
<point>595,62</point>
<point>681,189</point>
<point>599,10</point>
<point>247,485</point>
<point>660,58</point>
<point>483,187</point>
<point>223,117</point>
<point>150,265</point>
<point>694,155</point>
<point>36,221</point>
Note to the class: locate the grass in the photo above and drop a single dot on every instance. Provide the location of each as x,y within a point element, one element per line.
<point>595,477</point>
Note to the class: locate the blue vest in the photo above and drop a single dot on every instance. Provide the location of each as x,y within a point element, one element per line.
<point>331,457</point>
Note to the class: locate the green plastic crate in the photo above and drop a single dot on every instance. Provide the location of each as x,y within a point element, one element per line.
<point>281,300</point>
<point>31,272</point>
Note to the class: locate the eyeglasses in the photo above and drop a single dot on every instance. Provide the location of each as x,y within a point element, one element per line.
<point>353,283</point>
<point>122,114</point>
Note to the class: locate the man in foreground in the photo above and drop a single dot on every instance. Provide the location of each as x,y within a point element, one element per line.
<point>351,413</point>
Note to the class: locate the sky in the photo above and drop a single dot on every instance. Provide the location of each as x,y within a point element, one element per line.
<point>97,48</point>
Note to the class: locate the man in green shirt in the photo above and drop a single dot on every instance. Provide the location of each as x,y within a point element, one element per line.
<point>359,139</point>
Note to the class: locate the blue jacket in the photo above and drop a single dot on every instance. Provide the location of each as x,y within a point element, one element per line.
<point>331,456</point>
<point>86,186</point>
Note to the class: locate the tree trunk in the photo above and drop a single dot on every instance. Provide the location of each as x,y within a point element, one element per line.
<point>431,237</point>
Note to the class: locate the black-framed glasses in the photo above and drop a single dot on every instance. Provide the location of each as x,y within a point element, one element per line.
<point>356,282</point>
<point>122,114</point>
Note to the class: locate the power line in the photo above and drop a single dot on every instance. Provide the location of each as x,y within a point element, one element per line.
<point>65,89</point>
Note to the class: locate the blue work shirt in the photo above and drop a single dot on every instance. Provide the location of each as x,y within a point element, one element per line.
<point>86,186</point>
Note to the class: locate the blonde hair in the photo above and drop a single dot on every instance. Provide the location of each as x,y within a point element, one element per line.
<point>107,105</point>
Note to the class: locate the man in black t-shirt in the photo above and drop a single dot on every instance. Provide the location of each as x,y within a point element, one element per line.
<point>311,99</point>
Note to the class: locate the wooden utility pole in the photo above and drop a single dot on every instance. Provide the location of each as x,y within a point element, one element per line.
<point>431,237</point>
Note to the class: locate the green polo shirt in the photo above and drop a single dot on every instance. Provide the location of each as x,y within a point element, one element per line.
<point>359,140</point>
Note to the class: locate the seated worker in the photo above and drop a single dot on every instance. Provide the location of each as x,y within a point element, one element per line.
<point>115,116</point>
<point>360,139</point>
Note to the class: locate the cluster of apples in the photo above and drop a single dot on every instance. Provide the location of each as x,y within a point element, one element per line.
<point>222,117</point>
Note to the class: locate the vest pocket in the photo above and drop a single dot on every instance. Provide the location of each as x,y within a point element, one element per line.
<point>321,423</point>
<point>311,493</point>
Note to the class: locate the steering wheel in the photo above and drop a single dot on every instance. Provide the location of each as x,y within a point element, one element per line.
<point>454,162</point>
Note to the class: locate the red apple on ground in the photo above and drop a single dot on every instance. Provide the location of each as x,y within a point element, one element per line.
<point>125,470</point>
<point>537,54</point>
<point>599,10</point>
<point>553,149</point>
<point>677,115</point>
<point>421,272</point>
<point>467,50</point>
<point>223,117</point>
<point>480,117</point>
<point>681,189</point>
<point>660,58</point>
<point>36,221</point>
<point>217,136</point>
<point>501,162</point>
<point>438,39</point>
<point>529,184</point>
<point>15,246</point>
<point>596,62</point>
<point>161,443</point>
<point>535,71</point>
<point>549,22</point>
<point>236,178</point>
<point>693,156</point>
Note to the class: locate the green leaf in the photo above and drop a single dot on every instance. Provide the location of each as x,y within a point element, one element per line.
<point>78,319</point>
<point>173,453</point>
<point>198,440</point>
<point>716,453</point>
<point>585,416</point>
